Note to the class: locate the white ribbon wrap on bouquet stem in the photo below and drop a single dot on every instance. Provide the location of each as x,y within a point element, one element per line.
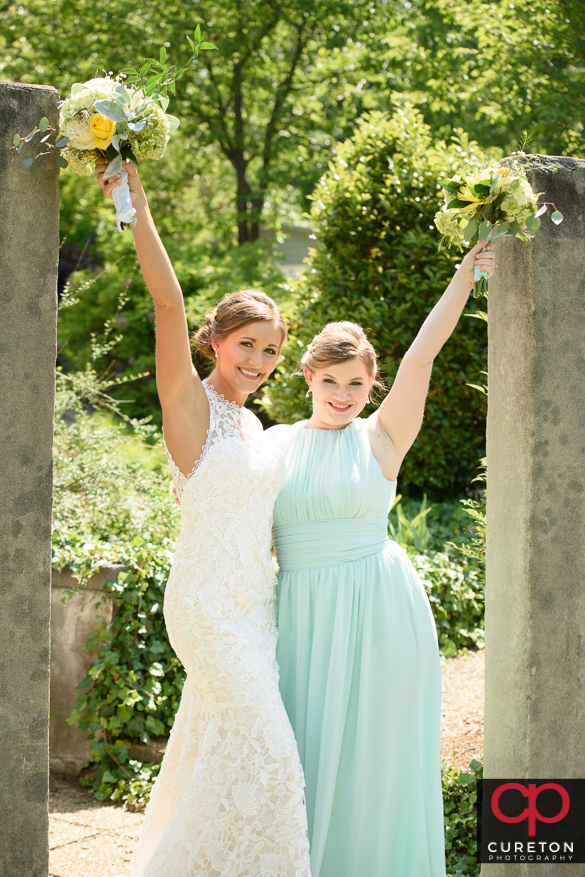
<point>125,212</point>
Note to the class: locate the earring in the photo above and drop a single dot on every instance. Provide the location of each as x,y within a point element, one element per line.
<point>215,352</point>
<point>308,393</point>
<point>368,401</point>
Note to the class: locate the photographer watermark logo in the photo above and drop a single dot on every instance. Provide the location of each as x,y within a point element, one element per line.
<point>531,820</point>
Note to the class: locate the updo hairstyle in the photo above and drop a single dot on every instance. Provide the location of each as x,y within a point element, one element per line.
<point>340,342</point>
<point>235,310</point>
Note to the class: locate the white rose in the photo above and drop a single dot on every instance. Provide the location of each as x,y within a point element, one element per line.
<point>79,133</point>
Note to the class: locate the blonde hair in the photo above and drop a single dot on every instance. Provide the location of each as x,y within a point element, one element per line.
<point>234,311</point>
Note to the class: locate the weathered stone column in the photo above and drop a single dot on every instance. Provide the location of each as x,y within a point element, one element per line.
<point>29,247</point>
<point>535,595</point>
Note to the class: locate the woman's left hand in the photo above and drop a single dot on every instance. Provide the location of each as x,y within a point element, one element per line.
<point>486,261</point>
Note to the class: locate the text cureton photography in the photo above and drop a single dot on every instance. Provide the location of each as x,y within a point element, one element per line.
<point>531,820</point>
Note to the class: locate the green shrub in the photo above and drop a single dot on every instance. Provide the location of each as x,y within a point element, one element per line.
<point>376,262</point>
<point>459,805</point>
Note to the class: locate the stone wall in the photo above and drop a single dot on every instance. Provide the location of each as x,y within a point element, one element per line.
<point>29,244</point>
<point>73,620</point>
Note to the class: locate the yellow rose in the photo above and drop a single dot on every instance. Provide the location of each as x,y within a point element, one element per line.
<point>102,129</point>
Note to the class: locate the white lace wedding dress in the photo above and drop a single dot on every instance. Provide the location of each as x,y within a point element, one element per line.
<point>229,800</point>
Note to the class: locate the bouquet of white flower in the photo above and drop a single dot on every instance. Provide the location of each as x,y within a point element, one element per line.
<point>489,203</point>
<point>103,118</point>
<point>117,120</point>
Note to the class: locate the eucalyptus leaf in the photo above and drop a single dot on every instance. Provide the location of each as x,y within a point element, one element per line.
<point>16,139</point>
<point>114,167</point>
<point>77,87</point>
<point>62,162</point>
<point>43,124</point>
<point>532,224</point>
<point>542,210</point>
<point>29,137</point>
<point>62,141</point>
<point>470,229</point>
<point>136,126</point>
<point>19,147</point>
<point>45,138</point>
<point>27,162</point>
<point>111,110</point>
<point>557,217</point>
<point>484,229</point>
<point>515,228</point>
<point>174,122</point>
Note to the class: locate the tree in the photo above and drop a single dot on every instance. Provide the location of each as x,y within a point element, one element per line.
<point>286,78</point>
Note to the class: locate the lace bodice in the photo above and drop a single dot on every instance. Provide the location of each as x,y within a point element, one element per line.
<point>229,799</point>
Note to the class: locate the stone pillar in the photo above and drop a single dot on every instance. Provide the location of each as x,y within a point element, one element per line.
<point>29,248</point>
<point>535,594</point>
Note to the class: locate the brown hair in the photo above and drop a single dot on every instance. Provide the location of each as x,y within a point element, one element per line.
<point>235,310</point>
<point>340,342</point>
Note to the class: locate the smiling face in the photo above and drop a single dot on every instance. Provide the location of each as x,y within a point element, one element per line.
<point>339,392</point>
<point>245,359</point>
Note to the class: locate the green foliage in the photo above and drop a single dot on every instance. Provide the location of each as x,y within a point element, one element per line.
<point>456,594</point>
<point>376,261</point>
<point>455,586</point>
<point>475,550</point>
<point>134,684</point>
<point>459,804</point>
<point>410,532</point>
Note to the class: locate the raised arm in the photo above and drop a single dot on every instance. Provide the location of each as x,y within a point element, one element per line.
<point>401,413</point>
<point>183,399</point>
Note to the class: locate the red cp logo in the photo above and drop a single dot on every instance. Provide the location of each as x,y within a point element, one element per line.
<point>531,792</point>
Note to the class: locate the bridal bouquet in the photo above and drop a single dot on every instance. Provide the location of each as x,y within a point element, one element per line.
<point>103,118</point>
<point>489,203</point>
<point>115,118</point>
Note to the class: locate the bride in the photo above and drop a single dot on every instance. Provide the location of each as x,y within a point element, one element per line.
<point>229,800</point>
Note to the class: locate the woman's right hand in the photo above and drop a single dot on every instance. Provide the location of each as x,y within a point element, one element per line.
<point>110,183</point>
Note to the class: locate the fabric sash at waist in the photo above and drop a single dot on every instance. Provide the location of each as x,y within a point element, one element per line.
<point>325,543</point>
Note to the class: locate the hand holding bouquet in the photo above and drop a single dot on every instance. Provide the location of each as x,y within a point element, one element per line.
<point>107,118</point>
<point>486,204</point>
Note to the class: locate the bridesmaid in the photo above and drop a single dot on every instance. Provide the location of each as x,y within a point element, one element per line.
<point>357,649</point>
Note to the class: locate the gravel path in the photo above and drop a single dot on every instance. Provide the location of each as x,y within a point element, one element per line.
<point>91,839</point>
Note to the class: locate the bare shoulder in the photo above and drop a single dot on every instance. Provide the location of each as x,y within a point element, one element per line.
<point>383,448</point>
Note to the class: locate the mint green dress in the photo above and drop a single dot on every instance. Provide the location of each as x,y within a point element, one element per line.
<point>359,664</point>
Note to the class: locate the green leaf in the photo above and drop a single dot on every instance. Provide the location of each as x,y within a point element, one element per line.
<point>190,41</point>
<point>533,224</point>
<point>197,34</point>
<point>43,124</point>
<point>163,55</point>
<point>557,217</point>
<point>61,142</point>
<point>114,167</point>
<point>27,162</point>
<point>16,139</point>
<point>129,71</point>
<point>514,228</point>
<point>457,202</point>
<point>112,110</point>
<point>207,46</point>
<point>484,229</point>
<point>470,229</point>
<point>61,162</point>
